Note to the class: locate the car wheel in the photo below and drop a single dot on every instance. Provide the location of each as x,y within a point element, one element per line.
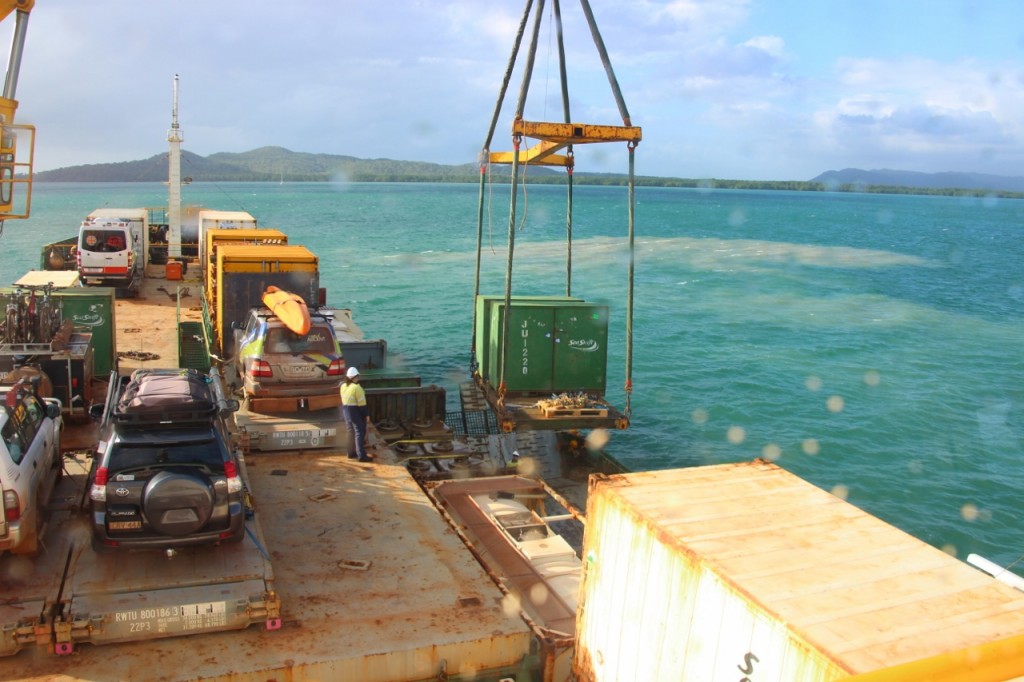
<point>178,504</point>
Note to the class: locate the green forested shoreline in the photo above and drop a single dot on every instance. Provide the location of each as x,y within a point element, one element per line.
<point>276,164</point>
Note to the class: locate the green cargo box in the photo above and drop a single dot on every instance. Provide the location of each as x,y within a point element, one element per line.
<point>59,255</point>
<point>388,378</point>
<point>365,354</point>
<point>482,336</point>
<point>554,347</point>
<point>92,310</point>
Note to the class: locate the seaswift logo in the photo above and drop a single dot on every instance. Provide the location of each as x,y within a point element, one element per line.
<point>89,320</point>
<point>584,345</point>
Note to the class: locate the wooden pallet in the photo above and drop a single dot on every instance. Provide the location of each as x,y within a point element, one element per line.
<point>552,412</point>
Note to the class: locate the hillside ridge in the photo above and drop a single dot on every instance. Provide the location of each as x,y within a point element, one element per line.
<point>278,164</point>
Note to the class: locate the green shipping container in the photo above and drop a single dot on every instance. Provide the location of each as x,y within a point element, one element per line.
<point>92,310</point>
<point>554,347</point>
<point>484,305</point>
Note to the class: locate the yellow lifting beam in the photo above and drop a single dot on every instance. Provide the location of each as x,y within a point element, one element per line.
<point>557,136</point>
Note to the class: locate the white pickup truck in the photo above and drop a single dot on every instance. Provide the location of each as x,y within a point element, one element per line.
<point>30,464</point>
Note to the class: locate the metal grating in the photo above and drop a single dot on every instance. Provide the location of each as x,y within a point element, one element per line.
<point>472,423</point>
<point>192,350</point>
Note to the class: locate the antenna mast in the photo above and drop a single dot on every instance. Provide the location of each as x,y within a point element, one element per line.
<point>174,139</point>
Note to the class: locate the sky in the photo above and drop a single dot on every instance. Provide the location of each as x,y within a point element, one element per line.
<point>731,89</point>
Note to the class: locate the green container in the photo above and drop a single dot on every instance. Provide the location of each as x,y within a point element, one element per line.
<point>388,378</point>
<point>58,255</point>
<point>92,310</point>
<point>555,346</point>
<point>484,305</point>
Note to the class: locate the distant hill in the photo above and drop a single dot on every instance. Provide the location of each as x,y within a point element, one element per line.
<point>898,178</point>
<point>275,164</point>
<point>269,164</point>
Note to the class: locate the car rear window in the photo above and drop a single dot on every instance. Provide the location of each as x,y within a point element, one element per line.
<point>282,340</point>
<point>141,455</point>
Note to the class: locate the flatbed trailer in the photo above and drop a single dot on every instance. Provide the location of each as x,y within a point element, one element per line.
<point>71,594</point>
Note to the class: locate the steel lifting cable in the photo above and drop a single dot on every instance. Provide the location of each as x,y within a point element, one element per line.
<point>524,89</point>
<point>506,325</point>
<point>629,288</point>
<point>484,167</point>
<point>612,80</point>
<point>570,164</point>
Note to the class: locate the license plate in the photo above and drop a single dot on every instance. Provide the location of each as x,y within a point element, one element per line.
<point>124,525</point>
<point>300,370</point>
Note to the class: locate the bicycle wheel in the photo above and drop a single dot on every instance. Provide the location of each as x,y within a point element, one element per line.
<point>44,324</point>
<point>11,326</point>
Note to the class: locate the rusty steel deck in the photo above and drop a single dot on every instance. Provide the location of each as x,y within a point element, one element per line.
<point>372,582</point>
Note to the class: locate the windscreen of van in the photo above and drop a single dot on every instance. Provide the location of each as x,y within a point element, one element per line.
<point>103,241</point>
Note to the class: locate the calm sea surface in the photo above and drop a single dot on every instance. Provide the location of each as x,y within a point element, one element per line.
<point>871,344</point>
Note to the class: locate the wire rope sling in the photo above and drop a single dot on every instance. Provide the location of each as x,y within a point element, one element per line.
<point>493,315</point>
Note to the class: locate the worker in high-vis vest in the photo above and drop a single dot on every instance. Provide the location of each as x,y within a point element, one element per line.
<point>353,407</point>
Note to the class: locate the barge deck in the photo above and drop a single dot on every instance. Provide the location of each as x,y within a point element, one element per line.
<point>372,582</point>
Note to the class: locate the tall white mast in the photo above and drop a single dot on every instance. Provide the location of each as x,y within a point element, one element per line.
<point>174,138</point>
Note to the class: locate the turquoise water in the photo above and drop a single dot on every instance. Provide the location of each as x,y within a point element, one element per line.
<point>871,344</point>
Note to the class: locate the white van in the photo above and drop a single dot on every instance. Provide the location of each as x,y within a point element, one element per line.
<point>111,244</point>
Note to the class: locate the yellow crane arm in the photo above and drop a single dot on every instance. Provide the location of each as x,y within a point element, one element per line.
<point>8,6</point>
<point>14,171</point>
<point>8,104</point>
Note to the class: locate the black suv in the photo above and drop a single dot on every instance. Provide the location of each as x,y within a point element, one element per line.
<point>165,474</point>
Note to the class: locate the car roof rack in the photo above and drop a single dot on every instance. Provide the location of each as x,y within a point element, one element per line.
<point>326,313</point>
<point>168,397</point>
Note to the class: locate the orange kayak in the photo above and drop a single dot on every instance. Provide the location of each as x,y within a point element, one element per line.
<point>289,308</point>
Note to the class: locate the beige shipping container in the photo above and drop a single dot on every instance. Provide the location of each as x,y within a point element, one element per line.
<point>747,572</point>
<point>220,220</point>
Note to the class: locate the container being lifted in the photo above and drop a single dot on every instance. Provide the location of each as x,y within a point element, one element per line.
<point>748,571</point>
<point>499,371</point>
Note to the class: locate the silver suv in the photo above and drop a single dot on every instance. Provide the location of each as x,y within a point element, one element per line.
<point>274,361</point>
<point>165,474</point>
<point>30,464</point>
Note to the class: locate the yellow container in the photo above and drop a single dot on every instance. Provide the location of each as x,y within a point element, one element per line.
<point>244,271</point>
<point>215,237</point>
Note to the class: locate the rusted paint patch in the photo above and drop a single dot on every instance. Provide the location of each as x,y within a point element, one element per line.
<point>355,564</point>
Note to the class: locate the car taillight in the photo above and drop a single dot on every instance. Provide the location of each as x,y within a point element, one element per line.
<point>98,492</point>
<point>231,473</point>
<point>337,368</point>
<point>12,509</point>
<point>260,368</point>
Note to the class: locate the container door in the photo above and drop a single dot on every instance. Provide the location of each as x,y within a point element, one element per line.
<point>92,310</point>
<point>528,359</point>
<point>580,349</point>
